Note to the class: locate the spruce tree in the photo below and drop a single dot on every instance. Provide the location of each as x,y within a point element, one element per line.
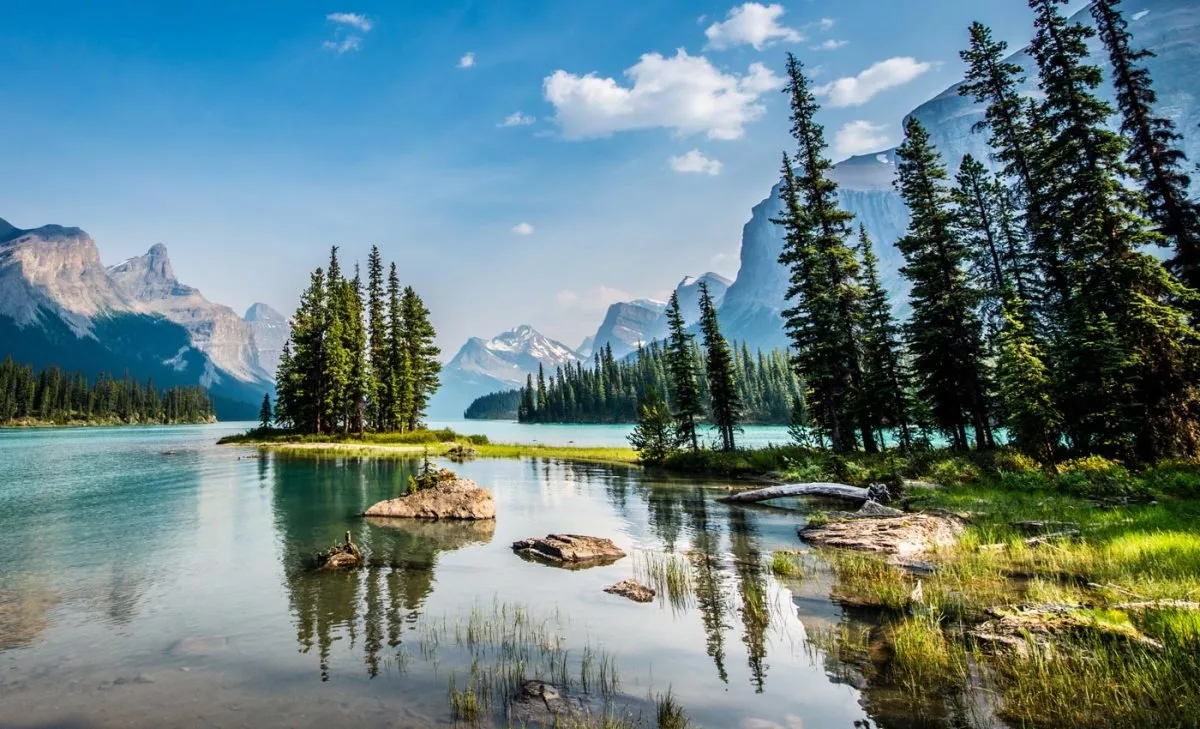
<point>264,413</point>
<point>826,299</point>
<point>655,436</point>
<point>286,393</point>
<point>685,395</point>
<point>1024,387</point>
<point>543,409</point>
<point>335,374</point>
<point>399,377</point>
<point>304,380</point>
<point>420,354</point>
<point>377,342</point>
<point>943,333</point>
<point>1125,367</point>
<point>1153,144</point>
<point>885,383</point>
<point>719,366</point>
<point>362,383</point>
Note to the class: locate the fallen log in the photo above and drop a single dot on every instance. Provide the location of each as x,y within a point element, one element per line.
<point>830,490</point>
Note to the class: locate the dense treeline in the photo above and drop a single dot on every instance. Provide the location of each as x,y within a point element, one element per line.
<point>55,396</point>
<point>355,362</point>
<point>501,405</point>
<point>1035,303</point>
<point>609,391</point>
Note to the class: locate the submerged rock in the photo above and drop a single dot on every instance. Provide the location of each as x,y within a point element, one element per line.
<point>460,498</point>
<point>633,590</point>
<point>542,704</point>
<point>570,550</point>
<point>900,535</point>
<point>340,556</point>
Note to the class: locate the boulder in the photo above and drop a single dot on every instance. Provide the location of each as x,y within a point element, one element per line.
<point>542,704</point>
<point>899,535</point>
<point>340,556</point>
<point>633,590</point>
<point>570,550</point>
<point>460,498</point>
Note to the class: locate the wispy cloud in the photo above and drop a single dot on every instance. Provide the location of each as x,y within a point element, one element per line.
<point>861,137</point>
<point>829,45</point>
<point>827,23</point>
<point>354,20</point>
<point>686,94</point>
<point>346,34</point>
<point>593,300</point>
<point>858,90</point>
<point>467,60</point>
<point>517,119</point>
<point>750,24</point>
<point>694,162</point>
<point>523,229</point>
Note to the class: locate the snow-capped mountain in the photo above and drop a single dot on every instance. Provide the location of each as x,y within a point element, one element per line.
<point>751,311</point>
<point>216,330</point>
<point>500,363</point>
<point>628,324</point>
<point>59,305</point>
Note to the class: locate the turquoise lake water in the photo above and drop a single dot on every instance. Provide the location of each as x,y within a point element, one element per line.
<point>153,579</point>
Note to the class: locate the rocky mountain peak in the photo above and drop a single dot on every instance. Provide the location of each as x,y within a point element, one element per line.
<point>260,312</point>
<point>7,230</point>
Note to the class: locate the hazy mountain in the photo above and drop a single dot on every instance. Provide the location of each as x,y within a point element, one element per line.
<point>271,329</point>
<point>585,348</point>
<point>215,330</point>
<point>59,305</point>
<point>751,312</point>
<point>500,363</point>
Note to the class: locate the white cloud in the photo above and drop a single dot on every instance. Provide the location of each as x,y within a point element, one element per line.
<point>750,24</point>
<point>684,93</point>
<point>467,60</point>
<point>858,90</point>
<point>345,45</point>
<point>1139,15</point>
<point>354,20</point>
<point>523,229</point>
<point>829,45</point>
<point>695,162</point>
<point>517,119</point>
<point>595,299</point>
<point>860,137</point>
<point>827,23</point>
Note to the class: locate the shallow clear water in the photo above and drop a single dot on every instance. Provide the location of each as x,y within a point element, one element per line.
<point>151,579</point>
<point>560,434</point>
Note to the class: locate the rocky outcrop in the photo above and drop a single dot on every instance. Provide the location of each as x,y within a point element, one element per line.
<point>150,281</point>
<point>460,498</point>
<point>631,589</point>
<point>894,535</point>
<point>570,550</point>
<point>1016,627</point>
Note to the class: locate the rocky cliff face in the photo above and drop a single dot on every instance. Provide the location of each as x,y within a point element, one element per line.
<point>630,323</point>
<point>271,330</point>
<point>60,306</point>
<point>751,311</point>
<point>215,330</point>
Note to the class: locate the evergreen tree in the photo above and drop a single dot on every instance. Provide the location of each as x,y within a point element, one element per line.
<point>655,436</point>
<point>825,296</point>
<point>681,364</point>
<point>542,407</point>
<point>1125,367</point>
<point>399,378</point>
<point>1153,144</point>
<point>285,388</point>
<point>720,368</point>
<point>1030,415</point>
<point>335,372</point>
<point>976,223</point>
<point>885,383</point>
<point>420,353</point>
<point>943,332</point>
<point>264,413</point>
<point>377,342</point>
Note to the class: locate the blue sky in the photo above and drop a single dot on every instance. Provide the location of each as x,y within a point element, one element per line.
<point>523,161</point>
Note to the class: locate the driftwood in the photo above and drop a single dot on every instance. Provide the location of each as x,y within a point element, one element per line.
<point>831,490</point>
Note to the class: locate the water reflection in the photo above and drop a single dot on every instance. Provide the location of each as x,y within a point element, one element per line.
<point>372,603</point>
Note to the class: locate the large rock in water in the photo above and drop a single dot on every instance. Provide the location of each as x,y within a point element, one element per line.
<point>570,550</point>
<point>460,498</point>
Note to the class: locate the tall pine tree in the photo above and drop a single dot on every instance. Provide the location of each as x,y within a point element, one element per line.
<point>720,368</point>
<point>944,333</point>
<point>885,382</point>
<point>685,395</point>
<point>377,342</point>
<point>420,354</point>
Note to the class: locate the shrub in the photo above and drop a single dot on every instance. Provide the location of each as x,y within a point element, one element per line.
<point>1007,460</point>
<point>953,472</point>
<point>1180,478</point>
<point>1098,477</point>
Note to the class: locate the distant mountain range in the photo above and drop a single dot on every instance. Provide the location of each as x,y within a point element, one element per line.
<point>60,305</point>
<point>750,307</point>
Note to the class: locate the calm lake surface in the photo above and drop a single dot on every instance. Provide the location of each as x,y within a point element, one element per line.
<point>146,589</point>
<point>556,434</point>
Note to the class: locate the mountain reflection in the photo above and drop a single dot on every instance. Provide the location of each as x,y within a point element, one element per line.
<point>314,507</point>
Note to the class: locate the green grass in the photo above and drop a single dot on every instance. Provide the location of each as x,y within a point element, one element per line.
<point>924,659</point>
<point>786,564</point>
<point>669,713</point>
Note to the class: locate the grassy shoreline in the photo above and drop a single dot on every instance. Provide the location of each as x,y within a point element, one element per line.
<point>111,423</point>
<point>438,443</point>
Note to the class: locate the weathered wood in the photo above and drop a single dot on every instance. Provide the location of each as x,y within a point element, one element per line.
<point>831,490</point>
